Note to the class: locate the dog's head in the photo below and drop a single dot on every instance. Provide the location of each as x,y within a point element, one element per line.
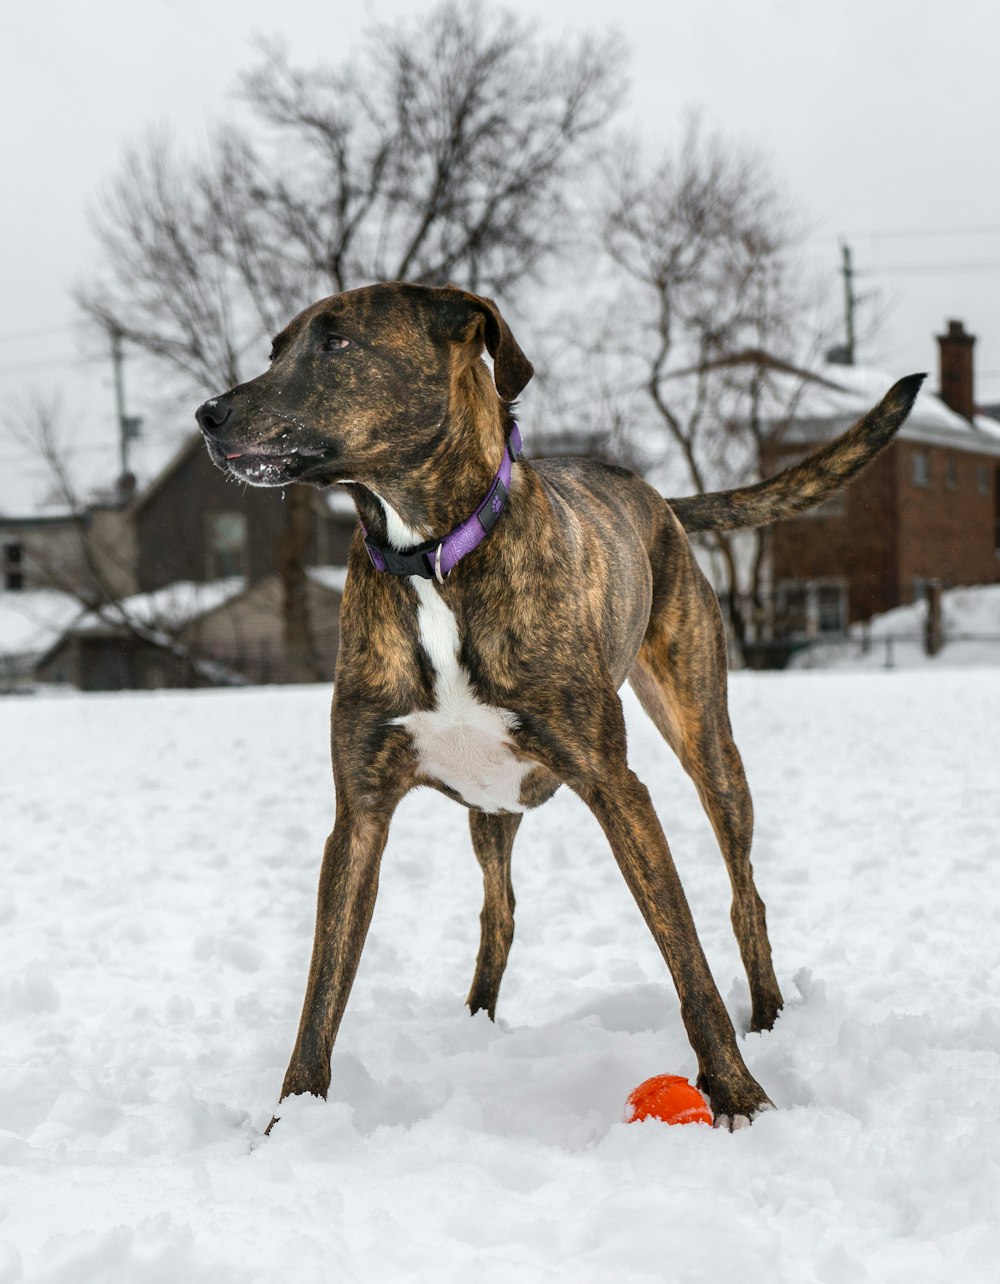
<point>361,386</point>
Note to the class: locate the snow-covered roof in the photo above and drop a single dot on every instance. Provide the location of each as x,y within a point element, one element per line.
<point>168,608</point>
<point>836,395</point>
<point>32,619</point>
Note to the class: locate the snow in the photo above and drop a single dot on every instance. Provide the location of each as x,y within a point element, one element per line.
<point>172,606</point>
<point>330,577</point>
<point>160,853</point>
<point>971,625</point>
<point>844,393</point>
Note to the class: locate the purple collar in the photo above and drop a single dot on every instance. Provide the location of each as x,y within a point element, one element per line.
<point>438,557</point>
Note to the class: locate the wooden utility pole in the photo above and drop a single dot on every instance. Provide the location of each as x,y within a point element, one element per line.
<point>118,362</point>
<point>850,301</point>
<point>128,425</point>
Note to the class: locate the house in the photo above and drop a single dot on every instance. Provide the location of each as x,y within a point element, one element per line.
<point>926,510</point>
<point>31,622</point>
<point>191,522</point>
<point>66,547</point>
<point>146,548</point>
<point>221,632</point>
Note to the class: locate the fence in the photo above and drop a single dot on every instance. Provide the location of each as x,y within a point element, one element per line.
<point>777,653</point>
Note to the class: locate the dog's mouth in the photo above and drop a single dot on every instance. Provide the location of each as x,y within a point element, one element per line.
<point>261,467</point>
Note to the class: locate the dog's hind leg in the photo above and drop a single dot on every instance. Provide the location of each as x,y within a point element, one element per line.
<point>492,839</point>
<point>683,689</point>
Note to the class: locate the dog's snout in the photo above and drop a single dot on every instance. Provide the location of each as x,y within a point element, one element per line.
<point>213,414</point>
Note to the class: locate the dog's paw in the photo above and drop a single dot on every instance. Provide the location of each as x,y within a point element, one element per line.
<point>735,1102</point>
<point>766,1009</point>
<point>734,1123</point>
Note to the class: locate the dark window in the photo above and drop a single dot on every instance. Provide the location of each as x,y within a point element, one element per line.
<point>950,472</point>
<point>811,608</point>
<point>13,566</point>
<point>983,479</point>
<point>920,468</point>
<point>831,608</point>
<point>227,544</point>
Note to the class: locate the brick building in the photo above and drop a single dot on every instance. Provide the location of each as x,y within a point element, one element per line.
<point>928,508</point>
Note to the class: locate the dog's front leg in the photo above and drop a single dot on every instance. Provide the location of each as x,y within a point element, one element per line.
<point>347,886</point>
<point>623,807</point>
<point>493,839</point>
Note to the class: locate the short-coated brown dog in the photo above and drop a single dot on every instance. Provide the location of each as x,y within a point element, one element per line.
<point>492,612</point>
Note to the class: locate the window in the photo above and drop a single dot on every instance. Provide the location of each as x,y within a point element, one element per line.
<point>13,566</point>
<point>950,472</point>
<point>920,468</point>
<point>983,479</point>
<point>227,543</point>
<point>811,609</point>
<point>831,608</point>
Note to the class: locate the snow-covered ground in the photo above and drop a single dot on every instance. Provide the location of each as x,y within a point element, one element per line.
<point>971,629</point>
<point>159,856</point>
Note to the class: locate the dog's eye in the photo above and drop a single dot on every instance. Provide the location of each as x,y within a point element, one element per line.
<point>334,343</point>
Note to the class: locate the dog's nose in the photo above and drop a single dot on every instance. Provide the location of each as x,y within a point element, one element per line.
<point>213,414</point>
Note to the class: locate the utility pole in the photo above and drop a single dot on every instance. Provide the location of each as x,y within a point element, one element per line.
<point>850,301</point>
<point>128,425</point>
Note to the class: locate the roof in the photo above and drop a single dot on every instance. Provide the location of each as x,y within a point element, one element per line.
<point>32,619</point>
<point>829,400</point>
<point>169,608</point>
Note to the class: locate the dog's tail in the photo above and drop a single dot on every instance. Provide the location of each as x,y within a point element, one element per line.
<point>808,483</point>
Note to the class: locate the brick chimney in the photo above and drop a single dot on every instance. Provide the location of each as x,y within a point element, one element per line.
<point>957,387</point>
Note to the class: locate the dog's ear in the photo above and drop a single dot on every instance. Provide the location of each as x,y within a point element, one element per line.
<point>478,320</point>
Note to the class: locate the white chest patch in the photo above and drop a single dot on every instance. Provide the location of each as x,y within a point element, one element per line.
<point>461,742</point>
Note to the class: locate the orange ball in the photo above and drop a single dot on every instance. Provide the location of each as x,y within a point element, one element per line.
<point>668,1097</point>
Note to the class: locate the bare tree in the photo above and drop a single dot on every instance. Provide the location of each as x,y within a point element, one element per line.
<point>448,149</point>
<point>720,326</point>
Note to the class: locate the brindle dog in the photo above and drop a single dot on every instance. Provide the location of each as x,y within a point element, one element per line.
<point>499,682</point>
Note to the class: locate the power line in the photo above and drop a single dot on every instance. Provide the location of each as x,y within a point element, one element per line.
<point>987,229</point>
<point>889,268</point>
<point>908,233</point>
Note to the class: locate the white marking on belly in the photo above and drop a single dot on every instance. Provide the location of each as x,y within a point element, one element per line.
<point>461,742</point>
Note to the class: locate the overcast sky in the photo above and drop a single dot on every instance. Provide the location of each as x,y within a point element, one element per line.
<point>880,118</point>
